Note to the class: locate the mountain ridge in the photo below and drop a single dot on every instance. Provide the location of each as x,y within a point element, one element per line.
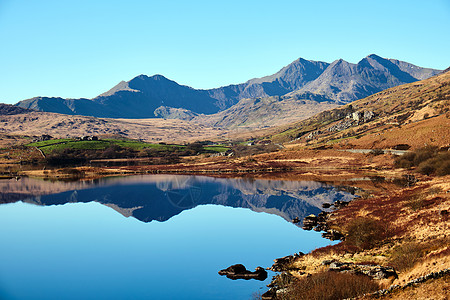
<point>340,82</point>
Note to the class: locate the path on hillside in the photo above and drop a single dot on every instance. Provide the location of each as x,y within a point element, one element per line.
<point>395,152</point>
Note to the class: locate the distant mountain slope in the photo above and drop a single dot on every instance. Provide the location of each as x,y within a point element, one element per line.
<point>289,78</point>
<point>258,113</point>
<point>339,82</point>
<point>138,98</point>
<point>416,114</point>
<point>7,109</point>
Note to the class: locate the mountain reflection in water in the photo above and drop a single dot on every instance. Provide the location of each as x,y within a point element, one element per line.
<point>160,197</point>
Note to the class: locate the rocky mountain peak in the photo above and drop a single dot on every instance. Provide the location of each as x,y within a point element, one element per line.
<point>339,81</point>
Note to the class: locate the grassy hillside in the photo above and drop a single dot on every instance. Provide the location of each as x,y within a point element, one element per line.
<point>65,126</point>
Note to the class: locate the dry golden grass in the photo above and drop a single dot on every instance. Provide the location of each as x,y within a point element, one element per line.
<point>433,131</point>
<point>436,289</point>
<point>151,130</point>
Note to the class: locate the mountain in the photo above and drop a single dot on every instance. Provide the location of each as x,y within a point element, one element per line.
<point>137,98</point>
<point>415,114</point>
<point>345,82</point>
<point>143,96</point>
<point>289,78</point>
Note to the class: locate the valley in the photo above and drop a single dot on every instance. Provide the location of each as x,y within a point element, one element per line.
<point>401,208</point>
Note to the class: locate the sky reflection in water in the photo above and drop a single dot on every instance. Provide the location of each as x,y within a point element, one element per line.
<point>89,251</point>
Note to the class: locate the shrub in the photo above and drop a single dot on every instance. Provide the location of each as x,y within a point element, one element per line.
<point>444,168</point>
<point>376,152</point>
<point>426,168</point>
<point>435,190</point>
<point>242,150</point>
<point>405,161</point>
<point>331,285</point>
<point>74,173</point>
<point>402,147</point>
<point>416,202</point>
<point>424,154</point>
<point>364,233</point>
<point>428,160</point>
<point>404,257</point>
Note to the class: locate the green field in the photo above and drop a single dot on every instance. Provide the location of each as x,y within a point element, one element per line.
<point>61,144</point>
<point>218,148</point>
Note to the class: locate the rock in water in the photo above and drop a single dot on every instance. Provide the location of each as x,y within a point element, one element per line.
<point>239,271</point>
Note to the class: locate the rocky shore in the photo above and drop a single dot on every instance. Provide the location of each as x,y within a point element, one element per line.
<point>401,243</point>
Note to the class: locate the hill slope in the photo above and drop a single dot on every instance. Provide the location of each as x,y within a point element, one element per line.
<point>338,82</point>
<point>259,113</point>
<point>7,109</point>
<point>416,114</point>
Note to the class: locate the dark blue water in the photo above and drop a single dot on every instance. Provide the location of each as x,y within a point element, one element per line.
<point>149,237</point>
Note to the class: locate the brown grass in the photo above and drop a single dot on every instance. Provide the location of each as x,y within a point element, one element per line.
<point>405,256</point>
<point>437,289</point>
<point>151,130</point>
<point>331,285</point>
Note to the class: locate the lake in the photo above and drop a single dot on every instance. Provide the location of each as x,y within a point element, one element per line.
<point>150,237</point>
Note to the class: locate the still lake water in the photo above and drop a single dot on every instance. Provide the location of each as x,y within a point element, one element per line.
<point>150,237</point>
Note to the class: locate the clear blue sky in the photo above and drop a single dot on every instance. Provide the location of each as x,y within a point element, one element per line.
<point>82,48</point>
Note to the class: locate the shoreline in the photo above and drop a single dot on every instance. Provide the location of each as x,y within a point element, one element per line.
<point>415,213</point>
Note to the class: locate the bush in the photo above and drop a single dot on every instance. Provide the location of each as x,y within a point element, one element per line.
<point>243,150</point>
<point>428,160</point>
<point>364,233</point>
<point>402,147</point>
<point>426,168</point>
<point>416,202</point>
<point>331,285</point>
<point>376,152</point>
<point>404,257</point>
<point>444,168</point>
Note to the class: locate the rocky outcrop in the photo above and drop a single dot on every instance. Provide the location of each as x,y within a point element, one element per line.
<point>353,119</point>
<point>278,286</point>
<point>309,222</point>
<point>318,223</point>
<point>239,271</point>
<point>362,116</point>
<point>414,282</point>
<point>333,235</point>
<point>373,271</point>
<point>282,263</point>
<point>339,204</point>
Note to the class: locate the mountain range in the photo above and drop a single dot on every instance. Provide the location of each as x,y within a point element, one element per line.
<point>147,97</point>
<point>160,197</point>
